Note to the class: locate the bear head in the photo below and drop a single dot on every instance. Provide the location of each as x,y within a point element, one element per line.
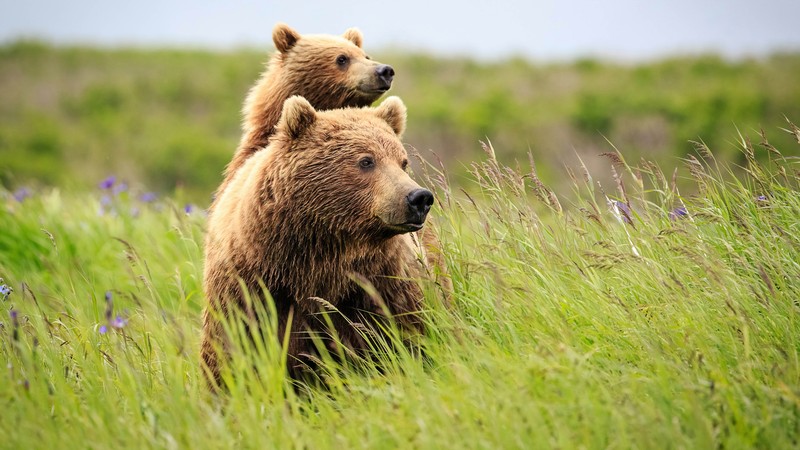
<point>345,171</point>
<point>330,71</point>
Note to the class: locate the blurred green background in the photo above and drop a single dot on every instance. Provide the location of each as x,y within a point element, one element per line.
<point>166,120</point>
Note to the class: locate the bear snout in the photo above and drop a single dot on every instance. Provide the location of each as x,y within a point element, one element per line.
<point>419,203</point>
<point>385,74</point>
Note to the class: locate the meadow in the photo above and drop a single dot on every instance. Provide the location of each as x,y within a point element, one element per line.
<point>624,246</point>
<point>625,316</point>
<point>169,119</point>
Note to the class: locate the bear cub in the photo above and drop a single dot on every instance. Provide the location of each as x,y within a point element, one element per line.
<point>329,71</point>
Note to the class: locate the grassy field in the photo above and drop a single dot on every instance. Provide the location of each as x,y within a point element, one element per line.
<point>169,119</point>
<point>574,325</point>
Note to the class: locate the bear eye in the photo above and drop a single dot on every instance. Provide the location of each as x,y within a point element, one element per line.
<point>367,57</point>
<point>404,165</point>
<point>366,162</point>
<point>342,60</point>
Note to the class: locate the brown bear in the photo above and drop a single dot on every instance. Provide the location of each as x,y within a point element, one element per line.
<point>327,209</point>
<point>329,71</point>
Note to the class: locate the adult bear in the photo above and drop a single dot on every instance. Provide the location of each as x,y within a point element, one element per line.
<point>327,209</point>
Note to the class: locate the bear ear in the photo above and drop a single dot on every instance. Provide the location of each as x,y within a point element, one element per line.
<point>354,35</point>
<point>393,111</point>
<point>284,37</point>
<point>297,116</point>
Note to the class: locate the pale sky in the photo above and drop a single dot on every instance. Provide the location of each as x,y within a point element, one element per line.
<point>623,29</point>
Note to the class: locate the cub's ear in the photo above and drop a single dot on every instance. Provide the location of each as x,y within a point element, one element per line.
<point>284,37</point>
<point>297,116</point>
<point>354,35</point>
<point>393,111</point>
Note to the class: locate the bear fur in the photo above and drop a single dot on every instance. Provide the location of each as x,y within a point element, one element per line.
<point>307,65</point>
<point>326,210</point>
<point>329,71</point>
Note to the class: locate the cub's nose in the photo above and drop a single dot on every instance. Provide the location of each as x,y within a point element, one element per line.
<point>385,73</point>
<point>419,202</point>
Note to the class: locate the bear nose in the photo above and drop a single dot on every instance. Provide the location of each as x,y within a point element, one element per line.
<point>385,73</point>
<point>420,201</point>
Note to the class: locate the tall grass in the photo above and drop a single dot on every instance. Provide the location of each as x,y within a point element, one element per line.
<point>575,323</point>
<point>171,118</point>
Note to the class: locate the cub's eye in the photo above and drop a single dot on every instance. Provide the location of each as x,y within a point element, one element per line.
<point>366,162</point>
<point>404,165</point>
<point>367,56</point>
<point>342,60</point>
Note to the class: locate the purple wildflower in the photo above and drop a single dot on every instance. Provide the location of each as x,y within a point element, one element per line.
<point>106,205</point>
<point>120,188</point>
<point>188,208</point>
<point>119,322</point>
<point>14,324</point>
<point>109,306</point>
<point>678,213</point>
<point>108,183</point>
<point>622,211</point>
<point>112,322</point>
<point>5,290</point>
<point>21,194</point>
<point>148,197</point>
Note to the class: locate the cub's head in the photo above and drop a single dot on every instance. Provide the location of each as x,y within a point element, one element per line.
<point>330,71</point>
<point>345,170</point>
